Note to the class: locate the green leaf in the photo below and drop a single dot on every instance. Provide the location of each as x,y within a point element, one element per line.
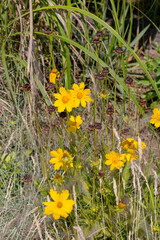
<point>126,172</point>
<point>28,152</point>
<point>105,25</point>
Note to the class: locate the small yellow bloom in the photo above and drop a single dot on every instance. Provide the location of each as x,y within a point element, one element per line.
<point>155,119</point>
<point>54,73</point>
<point>121,205</point>
<point>106,191</point>
<point>61,159</point>
<point>154,229</point>
<point>65,100</point>
<point>129,156</point>
<point>74,123</point>
<point>79,167</point>
<point>61,206</point>
<point>114,160</point>
<point>131,144</point>
<point>80,95</point>
<point>93,210</point>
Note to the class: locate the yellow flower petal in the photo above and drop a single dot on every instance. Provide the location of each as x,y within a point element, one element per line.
<point>61,207</point>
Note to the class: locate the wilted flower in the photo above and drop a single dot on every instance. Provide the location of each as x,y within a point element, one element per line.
<point>110,110</point>
<point>103,94</point>
<point>131,144</point>
<point>99,34</point>
<point>58,178</point>
<point>129,156</point>
<point>63,115</point>
<point>54,73</point>
<point>27,178</point>
<point>98,125</point>
<point>61,159</point>
<point>101,173</point>
<point>142,102</point>
<point>96,39</point>
<point>61,207</point>
<point>47,30</point>
<point>74,123</point>
<point>50,85</point>
<point>128,81</point>
<point>26,87</point>
<point>105,70</point>
<point>91,127</point>
<point>125,131</point>
<point>119,50</point>
<point>51,108</point>
<point>100,76</point>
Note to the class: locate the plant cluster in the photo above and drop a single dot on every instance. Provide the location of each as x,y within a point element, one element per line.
<point>72,96</point>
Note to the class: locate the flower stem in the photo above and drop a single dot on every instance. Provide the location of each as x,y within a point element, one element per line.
<point>128,107</point>
<point>115,93</point>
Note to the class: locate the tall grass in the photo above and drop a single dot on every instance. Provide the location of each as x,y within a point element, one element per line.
<point>118,204</point>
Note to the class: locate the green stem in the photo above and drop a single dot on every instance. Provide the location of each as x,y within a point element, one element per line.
<point>115,93</point>
<point>43,163</point>
<point>103,109</point>
<point>128,106</point>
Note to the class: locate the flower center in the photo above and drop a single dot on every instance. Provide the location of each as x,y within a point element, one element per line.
<point>59,205</point>
<point>115,161</point>
<point>64,99</point>
<point>79,95</point>
<point>65,158</point>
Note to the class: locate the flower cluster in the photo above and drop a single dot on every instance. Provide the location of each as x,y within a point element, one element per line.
<point>130,148</point>
<point>68,99</point>
<point>61,207</point>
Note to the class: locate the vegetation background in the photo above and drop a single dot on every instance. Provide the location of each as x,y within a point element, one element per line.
<point>38,36</point>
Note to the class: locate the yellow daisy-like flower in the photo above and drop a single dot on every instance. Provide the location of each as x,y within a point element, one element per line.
<point>65,100</point>
<point>74,123</point>
<point>114,160</point>
<point>121,205</point>
<point>131,144</point>
<point>155,119</point>
<point>61,159</point>
<point>80,95</point>
<point>52,76</point>
<point>61,207</point>
<point>129,156</point>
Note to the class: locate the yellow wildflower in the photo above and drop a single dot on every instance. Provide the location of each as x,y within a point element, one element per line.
<point>65,100</point>
<point>131,144</point>
<point>129,156</point>
<point>61,206</point>
<point>52,76</point>
<point>74,123</point>
<point>61,159</point>
<point>121,205</point>
<point>155,119</point>
<point>93,210</point>
<point>80,95</point>
<point>154,229</point>
<point>114,160</point>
